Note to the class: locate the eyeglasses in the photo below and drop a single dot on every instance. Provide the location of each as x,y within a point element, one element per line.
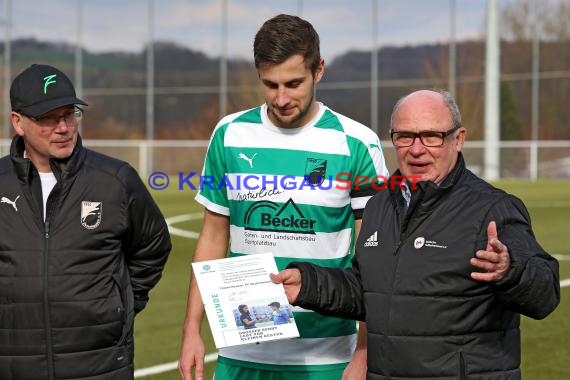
<point>428,138</point>
<point>70,118</point>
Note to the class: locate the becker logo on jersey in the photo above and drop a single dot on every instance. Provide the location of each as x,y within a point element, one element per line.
<point>270,216</point>
<point>91,214</point>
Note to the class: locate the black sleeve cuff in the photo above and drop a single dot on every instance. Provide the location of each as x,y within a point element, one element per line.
<point>306,297</point>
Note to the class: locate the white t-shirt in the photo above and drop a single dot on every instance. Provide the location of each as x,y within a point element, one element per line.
<point>48,183</point>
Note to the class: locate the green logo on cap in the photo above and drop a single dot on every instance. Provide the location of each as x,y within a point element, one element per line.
<point>47,81</point>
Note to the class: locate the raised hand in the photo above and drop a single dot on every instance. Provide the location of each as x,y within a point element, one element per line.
<point>494,260</point>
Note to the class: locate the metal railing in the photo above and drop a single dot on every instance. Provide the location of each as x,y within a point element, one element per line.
<point>519,159</point>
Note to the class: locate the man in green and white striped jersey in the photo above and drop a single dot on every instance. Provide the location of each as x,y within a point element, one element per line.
<point>289,177</point>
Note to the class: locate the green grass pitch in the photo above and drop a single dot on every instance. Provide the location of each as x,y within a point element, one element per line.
<point>545,346</point>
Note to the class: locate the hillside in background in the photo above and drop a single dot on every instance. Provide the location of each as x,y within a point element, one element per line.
<point>187,86</point>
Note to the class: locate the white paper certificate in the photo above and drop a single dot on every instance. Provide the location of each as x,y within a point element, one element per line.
<point>242,304</point>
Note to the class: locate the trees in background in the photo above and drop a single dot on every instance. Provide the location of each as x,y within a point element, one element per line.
<point>187,91</point>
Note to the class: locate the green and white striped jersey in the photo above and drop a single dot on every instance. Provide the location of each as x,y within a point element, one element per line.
<point>295,193</point>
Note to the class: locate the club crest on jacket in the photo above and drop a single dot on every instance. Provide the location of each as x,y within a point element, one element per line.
<point>419,242</point>
<point>91,214</point>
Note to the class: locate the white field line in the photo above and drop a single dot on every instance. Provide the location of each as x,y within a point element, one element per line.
<point>166,367</point>
<point>562,257</point>
<point>183,218</point>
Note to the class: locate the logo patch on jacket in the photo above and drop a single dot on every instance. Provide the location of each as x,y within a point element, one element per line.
<point>419,242</point>
<point>372,241</point>
<point>8,201</point>
<point>91,214</point>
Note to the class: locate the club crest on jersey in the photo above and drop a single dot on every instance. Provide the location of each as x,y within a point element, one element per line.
<point>315,170</point>
<point>91,214</point>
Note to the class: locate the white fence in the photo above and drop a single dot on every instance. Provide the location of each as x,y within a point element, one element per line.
<point>519,159</point>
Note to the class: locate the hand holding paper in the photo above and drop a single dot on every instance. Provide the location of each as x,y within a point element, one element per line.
<point>237,294</point>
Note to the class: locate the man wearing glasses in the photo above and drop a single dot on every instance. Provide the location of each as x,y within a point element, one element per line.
<point>81,242</point>
<point>443,270</point>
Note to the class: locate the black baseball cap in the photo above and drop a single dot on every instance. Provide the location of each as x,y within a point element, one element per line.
<point>40,89</point>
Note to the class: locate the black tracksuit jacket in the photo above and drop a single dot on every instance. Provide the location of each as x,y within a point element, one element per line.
<point>410,282</point>
<point>70,286</point>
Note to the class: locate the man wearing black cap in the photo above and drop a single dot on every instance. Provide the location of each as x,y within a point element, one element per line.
<point>72,277</point>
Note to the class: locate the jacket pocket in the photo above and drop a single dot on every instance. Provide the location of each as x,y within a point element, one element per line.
<point>120,309</point>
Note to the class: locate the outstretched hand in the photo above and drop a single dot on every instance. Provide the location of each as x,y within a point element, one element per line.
<point>494,260</point>
<point>291,280</point>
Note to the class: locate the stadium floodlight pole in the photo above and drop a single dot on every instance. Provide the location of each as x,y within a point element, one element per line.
<point>79,56</point>
<point>535,109</point>
<point>7,71</point>
<point>374,70</point>
<point>492,109</point>
<point>224,60</point>
<point>452,48</point>
<point>149,91</point>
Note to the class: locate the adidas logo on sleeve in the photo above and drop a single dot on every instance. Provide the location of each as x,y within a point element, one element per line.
<point>372,241</point>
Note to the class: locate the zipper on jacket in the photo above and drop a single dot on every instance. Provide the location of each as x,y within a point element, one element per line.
<point>47,320</point>
<point>462,369</point>
<point>398,247</point>
<point>53,199</point>
<point>400,235</point>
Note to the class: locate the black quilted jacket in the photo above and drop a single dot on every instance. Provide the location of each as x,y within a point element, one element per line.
<point>70,286</point>
<point>410,282</point>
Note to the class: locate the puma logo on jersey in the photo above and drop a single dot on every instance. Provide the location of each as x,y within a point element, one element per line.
<point>374,146</point>
<point>372,241</point>
<point>250,160</point>
<point>13,203</point>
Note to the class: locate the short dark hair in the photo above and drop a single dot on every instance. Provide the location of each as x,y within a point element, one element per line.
<point>241,307</point>
<point>284,36</point>
<point>275,304</point>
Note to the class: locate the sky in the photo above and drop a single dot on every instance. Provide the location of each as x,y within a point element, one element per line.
<point>122,25</point>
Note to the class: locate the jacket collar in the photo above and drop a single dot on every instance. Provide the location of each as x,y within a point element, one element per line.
<point>63,169</point>
<point>426,194</point>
